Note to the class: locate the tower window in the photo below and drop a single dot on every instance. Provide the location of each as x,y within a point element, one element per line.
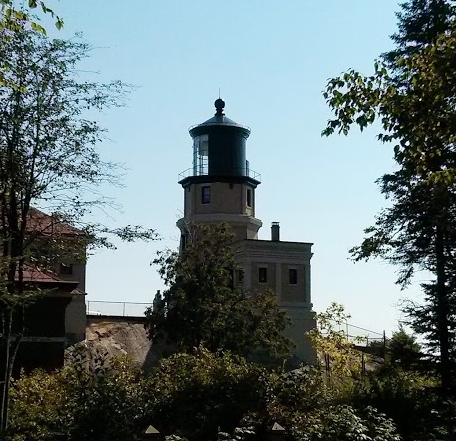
<point>249,197</point>
<point>293,276</point>
<point>205,194</point>
<point>183,241</point>
<point>262,275</point>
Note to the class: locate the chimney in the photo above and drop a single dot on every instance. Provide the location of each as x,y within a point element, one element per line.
<point>275,232</point>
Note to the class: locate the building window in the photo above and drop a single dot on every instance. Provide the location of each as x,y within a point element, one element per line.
<point>262,275</point>
<point>249,197</point>
<point>183,241</point>
<point>66,269</point>
<point>232,279</point>
<point>240,275</point>
<point>205,194</point>
<point>293,276</point>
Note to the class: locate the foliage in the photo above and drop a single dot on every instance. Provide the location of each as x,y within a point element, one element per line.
<point>343,423</point>
<point>400,394</point>
<point>313,409</point>
<point>48,159</point>
<point>204,396</point>
<point>75,404</point>
<point>420,23</point>
<point>203,306</point>
<point>239,434</point>
<point>336,354</point>
<point>413,96</point>
<point>41,407</point>
<point>110,405</point>
<point>294,398</point>
<point>403,350</point>
<point>15,16</point>
<point>196,394</point>
<point>442,422</point>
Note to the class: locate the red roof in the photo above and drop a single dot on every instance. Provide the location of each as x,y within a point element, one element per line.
<point>31,274</point>
<point>43,224</point>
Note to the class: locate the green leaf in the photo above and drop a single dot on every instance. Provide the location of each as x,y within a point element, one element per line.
<point>59,24</point>
<point>38,28</point>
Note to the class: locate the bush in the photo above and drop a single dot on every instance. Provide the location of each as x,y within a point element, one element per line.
<point>75,404</point>
<point>195,395</point>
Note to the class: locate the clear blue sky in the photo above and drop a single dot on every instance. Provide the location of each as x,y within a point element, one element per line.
<point>271,59</point>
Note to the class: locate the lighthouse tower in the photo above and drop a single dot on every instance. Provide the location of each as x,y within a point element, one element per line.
<point>220,188</point>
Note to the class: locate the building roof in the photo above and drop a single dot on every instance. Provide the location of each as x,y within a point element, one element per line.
<point>35,275</point>
<point>42,224</point>
<point>218,120</point>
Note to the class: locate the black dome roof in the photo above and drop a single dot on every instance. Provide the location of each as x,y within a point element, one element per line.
<point>219,119</point>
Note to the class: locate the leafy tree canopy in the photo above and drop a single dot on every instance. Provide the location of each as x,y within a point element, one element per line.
<point>196,395</point>
<point>79,404</point>
<point>204,306</point>
<point>15,16</point>
<point>48,160</point>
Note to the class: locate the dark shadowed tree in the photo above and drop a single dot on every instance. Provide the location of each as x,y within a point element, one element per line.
<point>203,304</point>
<point>420,24</point>
<point>403,350</point>
<point>204,392</point>
<point>413,96</point>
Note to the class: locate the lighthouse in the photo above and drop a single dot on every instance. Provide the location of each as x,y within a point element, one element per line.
<point>220,187</point>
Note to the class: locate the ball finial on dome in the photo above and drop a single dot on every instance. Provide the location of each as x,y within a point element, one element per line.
<point>219,105</point>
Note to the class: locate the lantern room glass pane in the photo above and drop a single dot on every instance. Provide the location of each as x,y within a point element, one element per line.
<point>200,155</point>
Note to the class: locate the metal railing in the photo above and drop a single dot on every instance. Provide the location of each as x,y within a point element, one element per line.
<point>243,172</point>
<point>360,336</point>
<point>123,309</point>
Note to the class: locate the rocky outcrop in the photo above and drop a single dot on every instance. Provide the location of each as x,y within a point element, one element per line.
<point>112,337</point>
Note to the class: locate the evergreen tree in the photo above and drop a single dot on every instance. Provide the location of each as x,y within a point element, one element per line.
<point>413,94</point>
<point>428,205</point>
<point>420,23</point>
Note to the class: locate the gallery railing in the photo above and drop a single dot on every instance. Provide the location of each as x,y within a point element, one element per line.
<point>204,172</point>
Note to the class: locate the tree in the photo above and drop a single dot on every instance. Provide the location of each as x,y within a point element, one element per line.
<point>403,350</point>
<point>311,408</point>
<point>336,353</point>
<point>75,403</point>
<point>413,96</point>
<point>420,23</point>
<point>13,18</point>
<point>203,304</point>
<point>344,423</point>
<point>196,395</point>
<point>49,160</point>
<point>13,15</point>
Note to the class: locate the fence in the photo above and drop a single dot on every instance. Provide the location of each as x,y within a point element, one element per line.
<point>123,309</point>
<point>362,336</point>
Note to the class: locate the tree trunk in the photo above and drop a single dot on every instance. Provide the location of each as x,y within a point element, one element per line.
<point>442,311</point>
<point>6,379</point>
